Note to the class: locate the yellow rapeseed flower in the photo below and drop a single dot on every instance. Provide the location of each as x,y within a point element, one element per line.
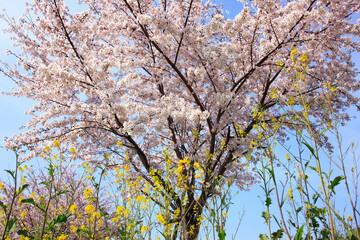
<point>177,212</point>
<point>293,52</point>
<point>291,101</point>
<point>62,237</point>
<point>140,198</point>
<point>119,209</point>
<point>89,209</point>
<point>72,208</point>
<point>23,238</point>
<point>304,58</point>
<point>279,64</point>
<point>88,192</point>
<point>290,194</point>
<point>23,214</point>
<point>144,229</point>
<point>126,212</point>
<point>327,85</point>
<point>160,218</point>
<point>301,176</point>
<point>96,215</point>
<point>73,228</point>
<point>57,143</point>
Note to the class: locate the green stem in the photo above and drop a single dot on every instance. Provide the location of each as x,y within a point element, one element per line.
<point>97,198</point>
<point>47,205</point>
<point>346,183</point>
<point>318,164</point>
<point>13,198</point>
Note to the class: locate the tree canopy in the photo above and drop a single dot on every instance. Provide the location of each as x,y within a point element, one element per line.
<point>177,83</point>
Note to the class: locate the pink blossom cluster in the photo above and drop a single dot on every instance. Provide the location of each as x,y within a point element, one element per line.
<point>151,73</point>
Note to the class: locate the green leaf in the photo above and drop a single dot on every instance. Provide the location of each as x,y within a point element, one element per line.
<point>103,213</point>
<point>223,201</point>
<point>32,202</point>
<point>222,235</point>
<point>265,215</point>
<point>28,200</point>
<point>162,234</point>
<point>299,233</point>
<point>11,173</point>
<point>22,188</point>
<point>108,229</point>
<point>307,105</point>
<point>325,233</point>
<point>263,237</point>
<point>277,235</point>
<point>51,170</point>
<point>310,148</point>
<point>59,220</point>
<point>323,131</point>
<point>212,213</point>
<point>24,233</point>
<point>11,225</point>
<point>268,201</point>
<point>271,190</point>
<point>315,197</point>
<point>271,172</point>
<point>61,192</point>
<point>314,168</point>
<point>299,209</point>
<point>292,223</point>
<point>3,206</point>
<point>352,235</point>
<point>276,220</point>
<point>83,230</point>
<point>336,182</point>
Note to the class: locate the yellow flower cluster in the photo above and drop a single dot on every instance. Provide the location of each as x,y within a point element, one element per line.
<point>289,194</point>
<point>160,218</point>
<point>88,193</point>
<point>73,208</point>
<point>89,209</point>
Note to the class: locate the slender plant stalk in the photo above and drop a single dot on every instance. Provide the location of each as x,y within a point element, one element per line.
<point>277,196</point>
<point>346,182</point>
<point>97,198</point>
<point>47,205</point>
<point>14,195</point>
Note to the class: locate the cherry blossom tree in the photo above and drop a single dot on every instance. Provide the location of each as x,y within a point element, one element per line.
<point>177,83</point>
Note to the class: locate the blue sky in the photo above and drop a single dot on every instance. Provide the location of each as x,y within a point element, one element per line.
<point>12,117</point>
